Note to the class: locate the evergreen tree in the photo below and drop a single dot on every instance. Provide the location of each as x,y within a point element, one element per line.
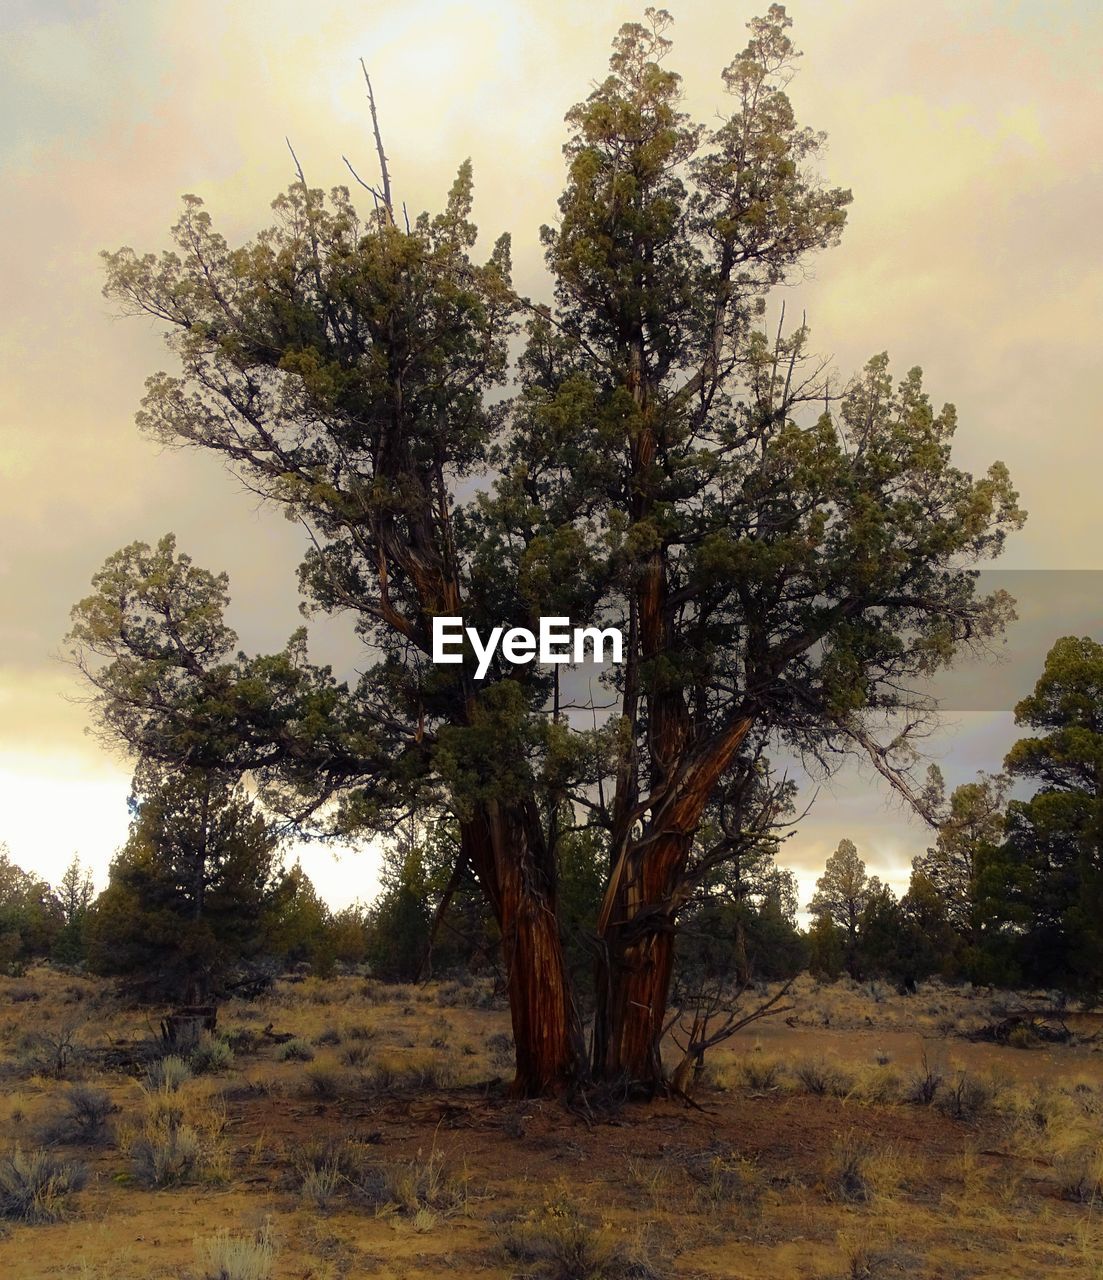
<point>189,893</point>
<point>782,552</point>
<point>75,893</point>
<point>929,943</point>
<point>967,837</point>
<point>401,918</point>
<point>1046,880</point>
<point>30,914</point>
<point>298,926</point>
<point>826,949</point>
<point>843,894</point>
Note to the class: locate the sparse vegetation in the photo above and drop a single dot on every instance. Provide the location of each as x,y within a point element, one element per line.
<point>211,1054</point>
<point>758,1072</point>
<point>297,1050</point>
<point>168,1073</point>
<point>84,1116</point>
<point>164,1155</point>
<point>924,1085</point>
<point>855,1171</point>
<point>395,1142</point>
<point>37,1186</point>
<point>229,1257</point>
<point>559,1242</point>
<point>823,1078</point>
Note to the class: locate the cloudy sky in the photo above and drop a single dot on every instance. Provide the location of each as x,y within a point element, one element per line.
<point>971,135</point>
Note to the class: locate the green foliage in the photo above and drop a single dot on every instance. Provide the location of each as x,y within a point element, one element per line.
<point>348,931</point>
<point>75,894</point>
<point>583,867</point>
<point>967,838</point>
<point>826,949</point>
<point>737,933</point>
<point>190,893</point>
<point>298,926</point>
<point>1045,882</point>
<point>844,893</point>
<point>31,916</point>
<point>401,918</point>
<point>211,1054</point>
<point>781,572</point>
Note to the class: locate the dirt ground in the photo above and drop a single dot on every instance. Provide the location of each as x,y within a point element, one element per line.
<point>347,1129</point>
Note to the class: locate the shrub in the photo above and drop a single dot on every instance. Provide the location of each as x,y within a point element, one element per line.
<point>726,1181</point>
<point>330,1168</point>
<point>966,1099</point>
<point>210,1054</point>
<point>427,1073</point>
<point>297,1050</point>
<point>166,1108</point>
<point>243,1040</point>
<point>558,1243</point>
<point>855,1173</point>
<point>822,1078</point>
<point>877,1085</point>
<point>1080,1173</point>
<point>455,995</point>
<point>327,1167</point>
<point>52,1052</point>
<point>847,1177</point>
<point>324,1083</point>
<point>320,1185</point>
<point>425,1183</point>
<point>84,1116</point>
<point>431,1073</point>
<point>500,1046</point>
<point>36,1186</point>
<point>226,1257</point>
<point>1022,1037</point>
<point>924,1085</point>
<point>163,1156</point>
<point>169,1074</point>
<point>355,1055</point>
<point>757,1072</point>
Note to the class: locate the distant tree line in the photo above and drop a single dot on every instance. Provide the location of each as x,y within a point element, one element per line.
<point>1009,893</point>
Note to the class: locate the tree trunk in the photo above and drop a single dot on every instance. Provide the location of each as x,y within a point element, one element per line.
<point>636,925</point>
<point>635,971</point>
<point>508,854</point>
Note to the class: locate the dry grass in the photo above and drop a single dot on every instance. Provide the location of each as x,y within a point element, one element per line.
<point>229,1257</point>
<point>857,1171</point>
<point>870,1138</point>
<point>559,1242</point>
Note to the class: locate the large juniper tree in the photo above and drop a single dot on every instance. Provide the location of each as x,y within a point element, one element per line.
<point>782,559</point>
<point>779,568</point>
